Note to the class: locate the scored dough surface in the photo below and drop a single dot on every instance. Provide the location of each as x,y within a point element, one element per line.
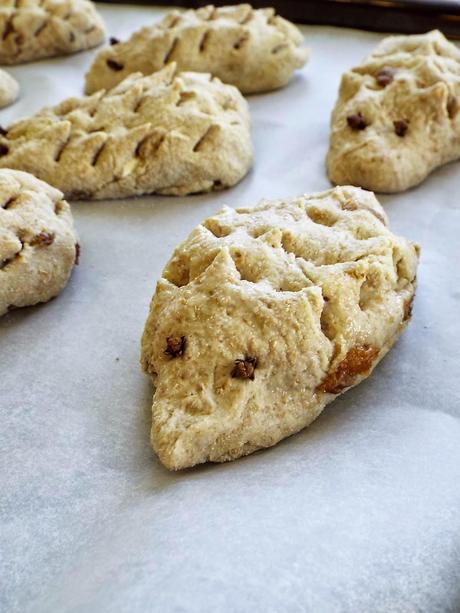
<point>264,315</point>
<point>38,243</point>
<point>166,133</point>
<point>255,50</point>
<point>35,29</point>
<point>396,118</point>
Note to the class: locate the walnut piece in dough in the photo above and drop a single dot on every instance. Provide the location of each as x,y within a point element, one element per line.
<point>35,29</point>
<point>9,89</point>
<point>38,243</point>
<point>263,315</point>
<point>166,133</point>
<point>396,118</point>
<point>255,50</point>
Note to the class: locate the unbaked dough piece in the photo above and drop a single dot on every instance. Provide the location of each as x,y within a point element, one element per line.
<point>396,118</point>
<point>38,243</point>
<point>264,315</point>
<point>255,50</point>
<point>35,29</point>
<point>9,89</point>
<point>165,134</point>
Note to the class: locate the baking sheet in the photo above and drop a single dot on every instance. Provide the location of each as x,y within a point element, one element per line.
<point>358,513</point>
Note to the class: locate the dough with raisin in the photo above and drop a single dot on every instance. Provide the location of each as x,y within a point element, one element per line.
<point>9,89</point>
<point>38,243</point>
<point>166,133</point>
<point>37,29</point>
<point>396,118</point>
<point>264,315</point>
<point>255,50</point>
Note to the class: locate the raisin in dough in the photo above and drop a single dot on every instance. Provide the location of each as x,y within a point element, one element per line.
<point>264,315</point>
<point>397,117</point>
<point>38,243</point>
<point>256,51</point>
<point>9,89</point>
<point>34,29</point>
<point>165,133</point>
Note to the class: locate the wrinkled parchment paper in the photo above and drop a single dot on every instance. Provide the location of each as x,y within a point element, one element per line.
<point>360,513</point>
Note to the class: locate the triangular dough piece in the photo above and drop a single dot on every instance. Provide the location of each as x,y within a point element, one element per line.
<point>38,243</point>
<point>9,89</point>
<point>264,315</point>
<point>165,133</point>
<point>255,50</point>
<point>35,29</point>
<point>397,117</point>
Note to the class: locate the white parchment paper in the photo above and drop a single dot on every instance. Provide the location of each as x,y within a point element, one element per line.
<point>360,513</point>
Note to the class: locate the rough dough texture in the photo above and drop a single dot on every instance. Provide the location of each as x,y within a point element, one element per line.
<point>397,117</point>
<point>165,133</point>
<point>264,315</point>
<point>38,243</point>
<point>255,50</point>
<point>9,89</point>
<point>34,29</point>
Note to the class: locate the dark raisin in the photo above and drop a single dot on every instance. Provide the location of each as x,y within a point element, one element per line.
<point>356,122</point>
<point>401,127</point>
<point>4,149</point>
<point>113,65</point>
<point>244,369</point>
<point>77,254</point>
<point>79,194</point>
<point>385,76</point>
<point>175,346</point>
<point>113,40</point>
<point>3,132</point>
<point>407,309</point>
<point>452,106</point>
<point>42,239</point>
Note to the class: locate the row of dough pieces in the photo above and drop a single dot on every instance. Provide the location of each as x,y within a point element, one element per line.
<point>395,120</point>
<point>254,50</point>
<point>305,296</point>
<point>153,131</point>
<point>318,282</point>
